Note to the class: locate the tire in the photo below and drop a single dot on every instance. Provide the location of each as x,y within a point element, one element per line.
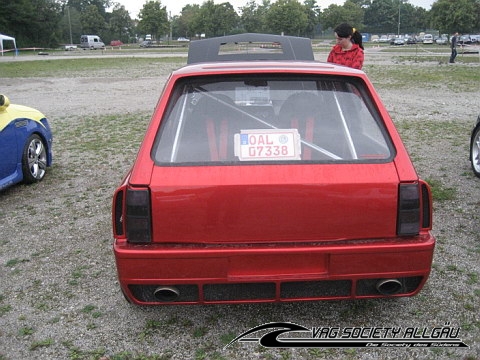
<point>475,151</point>
<point>34,159</point>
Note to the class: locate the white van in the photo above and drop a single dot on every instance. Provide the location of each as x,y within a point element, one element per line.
<point>91,42</point>
<point>428,39</point>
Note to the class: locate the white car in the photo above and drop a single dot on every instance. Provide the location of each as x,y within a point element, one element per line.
<point>428,39</point>
<point>442,41</point>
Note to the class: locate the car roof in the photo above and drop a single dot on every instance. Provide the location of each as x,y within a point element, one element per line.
<point>284,67</point>
<point>285,48</point>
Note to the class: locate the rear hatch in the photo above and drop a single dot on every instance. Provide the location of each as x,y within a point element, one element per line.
<point>274,203</point>
<point>273,157</point>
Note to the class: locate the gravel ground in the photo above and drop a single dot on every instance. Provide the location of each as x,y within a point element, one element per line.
<point>59,295</point>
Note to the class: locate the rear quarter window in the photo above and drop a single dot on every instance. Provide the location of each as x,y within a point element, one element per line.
<point>270,119</point>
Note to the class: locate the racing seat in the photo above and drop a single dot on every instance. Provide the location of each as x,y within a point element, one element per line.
<point>209,131</point>
<point>301,111</point>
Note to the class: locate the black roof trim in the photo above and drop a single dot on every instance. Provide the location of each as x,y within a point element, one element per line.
<point>293,48</point>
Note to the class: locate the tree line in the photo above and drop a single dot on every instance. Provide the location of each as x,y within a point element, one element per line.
<point>48,23</point>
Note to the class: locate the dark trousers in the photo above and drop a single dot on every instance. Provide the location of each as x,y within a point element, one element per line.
<point>454,55</point>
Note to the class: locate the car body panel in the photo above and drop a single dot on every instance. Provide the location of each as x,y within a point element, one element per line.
<point>474,154</point>
<point>266,212</point>
<point>227,230</point>
<point>17,123</point>
<point>320,270</point>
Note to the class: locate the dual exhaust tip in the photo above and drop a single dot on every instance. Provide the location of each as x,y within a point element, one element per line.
<point>387,287</point>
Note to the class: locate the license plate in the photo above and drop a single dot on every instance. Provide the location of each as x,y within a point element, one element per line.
<point>268,144</point>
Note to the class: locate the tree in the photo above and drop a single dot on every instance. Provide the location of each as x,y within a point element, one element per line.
<point>203,20</point>
<point>450,16</point>
<point>184,24</point>
<point>382,16</point>
<point>70,21</point>
<point>253,18</point>
<point>409,21</point>
<point>120,23</point>
<point>350,13</point>
<point>92,21</point>
<point>226,18</point>
<point>33,23</point>
<point>83,5</point>
<point>153,19</point>
<point>313,14</point>
<point>288,17</point>
<point>215,20</point>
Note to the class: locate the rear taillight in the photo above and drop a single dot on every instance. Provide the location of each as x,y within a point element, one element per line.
<point>409,207</point>
<point>426,206</point>
<point>414,208</point>
<point>118,213</point>
<point>138,216</point>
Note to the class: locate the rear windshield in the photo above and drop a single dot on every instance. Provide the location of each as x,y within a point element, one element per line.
<point>270,119</point>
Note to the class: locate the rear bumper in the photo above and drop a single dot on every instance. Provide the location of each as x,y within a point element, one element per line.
<point>181,274</point>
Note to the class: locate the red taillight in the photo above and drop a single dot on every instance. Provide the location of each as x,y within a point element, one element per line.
<point>409,209</point>
<point>138,216</point>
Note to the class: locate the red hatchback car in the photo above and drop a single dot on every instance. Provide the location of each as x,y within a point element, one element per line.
<point>267,176</point>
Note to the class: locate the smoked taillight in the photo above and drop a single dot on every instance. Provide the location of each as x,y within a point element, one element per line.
<point>138,222</point>
<point>118,213</point>
<point>426,206</point>
<point>409,209</point>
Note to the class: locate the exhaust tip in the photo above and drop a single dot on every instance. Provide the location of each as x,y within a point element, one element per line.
<point>166,293</point>
<point>389,287</point>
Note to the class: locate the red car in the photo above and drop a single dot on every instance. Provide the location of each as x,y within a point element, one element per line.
<point>116,43</point>
<point>267,176</point>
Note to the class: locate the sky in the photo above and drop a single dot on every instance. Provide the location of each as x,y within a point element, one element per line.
<point>175,6</point>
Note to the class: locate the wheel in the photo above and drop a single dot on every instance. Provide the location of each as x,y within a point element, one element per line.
<point>34,159</point>
<point>475,151</point>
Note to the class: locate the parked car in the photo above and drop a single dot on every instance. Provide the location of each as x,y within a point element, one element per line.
<point>70,47</point>
<point>267,176</point>
<point>475,39</point>
<point>183,39</point>
<point>92,42</point>
<point>398,41</point>
<point>442,41</point>
<point>411,41</point>
<point>116,43</point>
<point>475,148</point>
<point>428,39</point>
<point>384,39</point>
<point>146,44</point>
<point>465,40</point>
<point>25,144</point>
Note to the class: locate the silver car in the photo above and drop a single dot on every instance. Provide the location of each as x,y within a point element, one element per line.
<point>475,148</point>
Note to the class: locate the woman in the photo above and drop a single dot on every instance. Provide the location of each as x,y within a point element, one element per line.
<point>349,49</point>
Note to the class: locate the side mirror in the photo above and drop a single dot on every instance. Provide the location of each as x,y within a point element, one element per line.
<point>4,102</point>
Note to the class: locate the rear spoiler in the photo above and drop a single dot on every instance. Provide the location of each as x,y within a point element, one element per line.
<point>254,47</point>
